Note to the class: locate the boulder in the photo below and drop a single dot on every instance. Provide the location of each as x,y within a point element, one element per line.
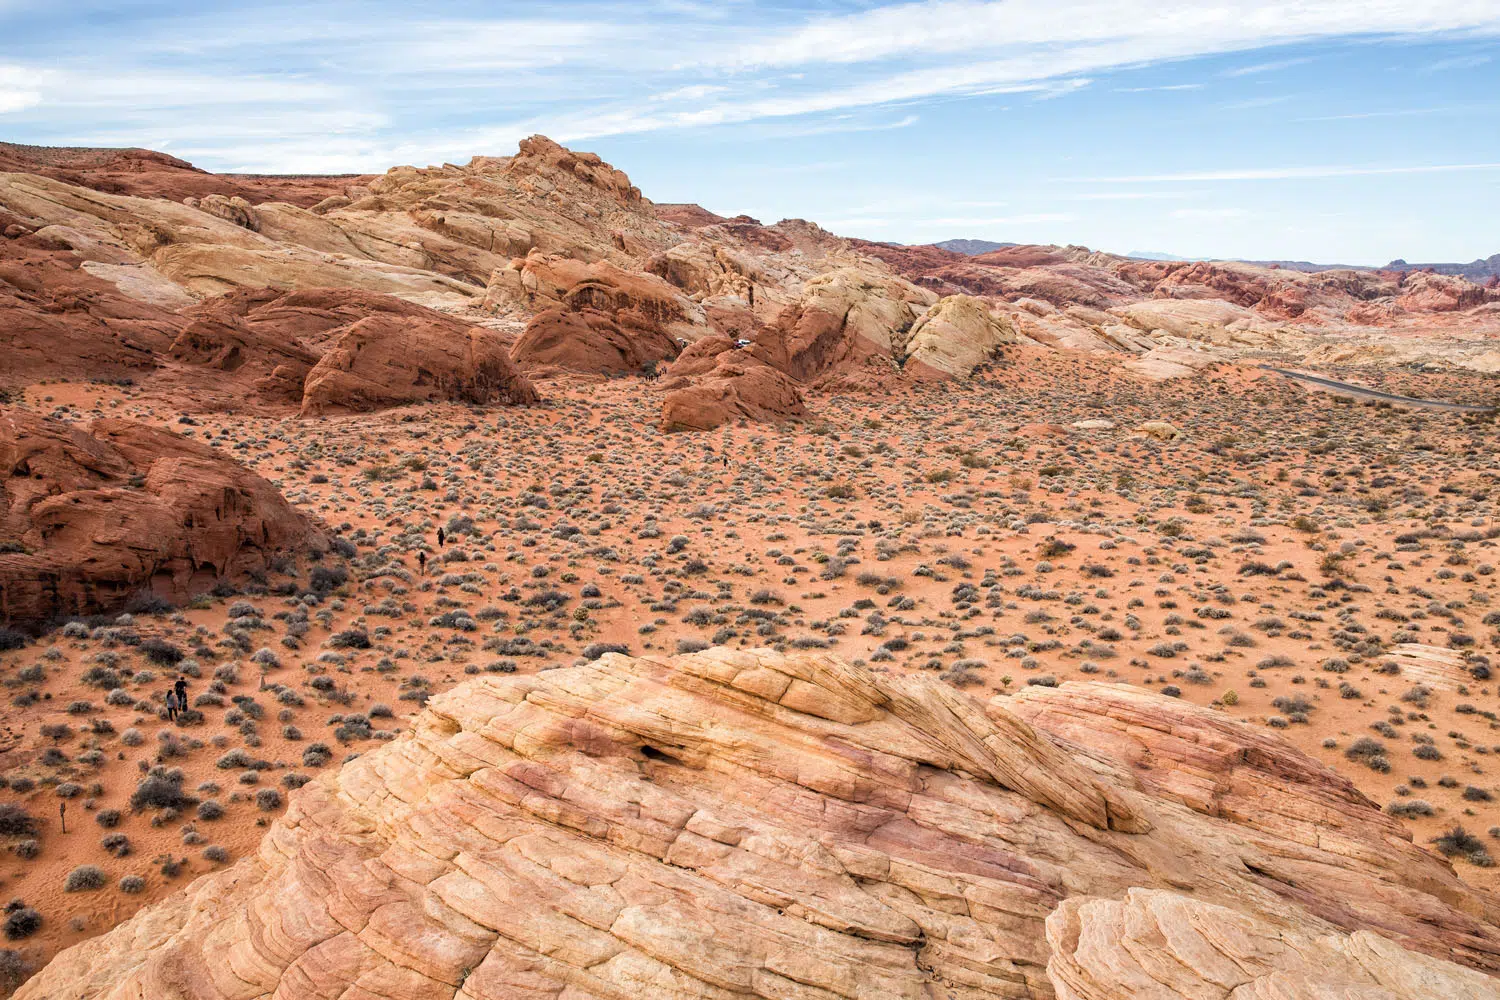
<point>123,508</point>
<point>390,360</point>
<point>589,340</point>
<point>739,385</point>
<point>1160,429</point>
<point>749,824</point>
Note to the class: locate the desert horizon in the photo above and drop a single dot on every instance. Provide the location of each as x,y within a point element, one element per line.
<point>484,580</point>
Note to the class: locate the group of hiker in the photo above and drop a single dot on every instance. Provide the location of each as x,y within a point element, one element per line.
<point>422,556</point>
<point>177,698</point>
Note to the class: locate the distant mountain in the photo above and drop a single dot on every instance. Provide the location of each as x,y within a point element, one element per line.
<point>972,248</point>
<point>1478,271</point>
<point>1153,255</point>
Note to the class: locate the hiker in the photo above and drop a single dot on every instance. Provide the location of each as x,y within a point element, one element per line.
<point>422,561</point>
<point>441,537</point>
<point>171,705</point>
<point>181,688</point>
<point>726,461</point>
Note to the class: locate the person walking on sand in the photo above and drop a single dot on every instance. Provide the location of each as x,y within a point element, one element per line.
<point>171,705</point>
<point>422,562</point>
<point>181,688</point>
<point>441,538</point>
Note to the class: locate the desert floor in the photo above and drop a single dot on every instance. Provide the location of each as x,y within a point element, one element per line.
<point>1285,559</point>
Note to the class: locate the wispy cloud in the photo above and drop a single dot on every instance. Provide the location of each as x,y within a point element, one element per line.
<point>1288,173</point>
<point>1471,61</point>
<point>1266,67</point>
<point>1148,90</point>
<point>1211,214</point>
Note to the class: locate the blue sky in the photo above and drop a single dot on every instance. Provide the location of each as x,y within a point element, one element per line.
<point>1330,130</point>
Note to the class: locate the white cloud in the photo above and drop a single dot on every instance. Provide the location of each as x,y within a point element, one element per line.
<point>1289,173</point>
<point>1211,214</point>
<point>1148,90</point>
<point>1265,67</point>
<point>1153,28</point>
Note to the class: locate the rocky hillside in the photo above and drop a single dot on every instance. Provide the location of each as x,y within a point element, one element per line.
<point>750,824</point>
<point>113,261</point>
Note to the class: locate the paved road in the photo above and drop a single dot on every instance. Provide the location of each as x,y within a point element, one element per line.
<point>1367,393</point>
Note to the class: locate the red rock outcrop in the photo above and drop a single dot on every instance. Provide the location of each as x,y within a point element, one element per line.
<point>588,340</point>
<point>391,359</point>
<point>59,321</point>
<point>712,383</point>
<point>124,507</point>
<point>750,824</point>
<point>148,174</point>
<point>633,299</point>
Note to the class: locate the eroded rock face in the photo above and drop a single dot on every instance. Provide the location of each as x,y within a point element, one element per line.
<point>842,319</point>
<point>591,341</point>
<point>739,385</point>
<point>390,359</point>
<point>747,824</point>
<point>58,320</point>
<point>125,507</point>
<point>957,334</point>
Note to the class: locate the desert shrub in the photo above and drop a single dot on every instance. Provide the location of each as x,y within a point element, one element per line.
<point>209,810</point>
<point>161,789</point>
<point>84,878</point>
<point>14,969</point>
<point>216,854</point>
<point>161,652</point>
<point>267,799</point>
<point>11,638</point>
<point>15,821</point>
<point>354,638</point>
<point>1409,808</point>
<point>22,923</point>
<point>117,844</point>
<point>132,884</point>
<point>1456,840</point>
<point>594,650</point>
<point>691,645</point>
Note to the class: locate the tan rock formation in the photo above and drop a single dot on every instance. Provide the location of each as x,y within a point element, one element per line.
<point>747,824</point>
<point>841,319</point>
<point>643,301</point>
<point>124,507</point>
<point>956,335</point>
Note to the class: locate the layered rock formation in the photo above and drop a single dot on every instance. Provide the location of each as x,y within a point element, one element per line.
<point>343,349</point>
<point>505,240</point>
<point>956,335</point>
<point>389,360</point>
<point>59,320</point>
<point>738,386</point>
<point>590,341</point>
<point>748,824</point>
<point>103,514</point>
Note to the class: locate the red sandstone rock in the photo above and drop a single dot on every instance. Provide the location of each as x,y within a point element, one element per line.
<point>123,508</point>
<point>390,359</point>
<point>591,341</point>
<point>148,174</point>
<point>59,321</point>
<point>739,385</point>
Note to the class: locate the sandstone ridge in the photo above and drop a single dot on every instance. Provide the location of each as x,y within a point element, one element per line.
<point>750,824</point>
